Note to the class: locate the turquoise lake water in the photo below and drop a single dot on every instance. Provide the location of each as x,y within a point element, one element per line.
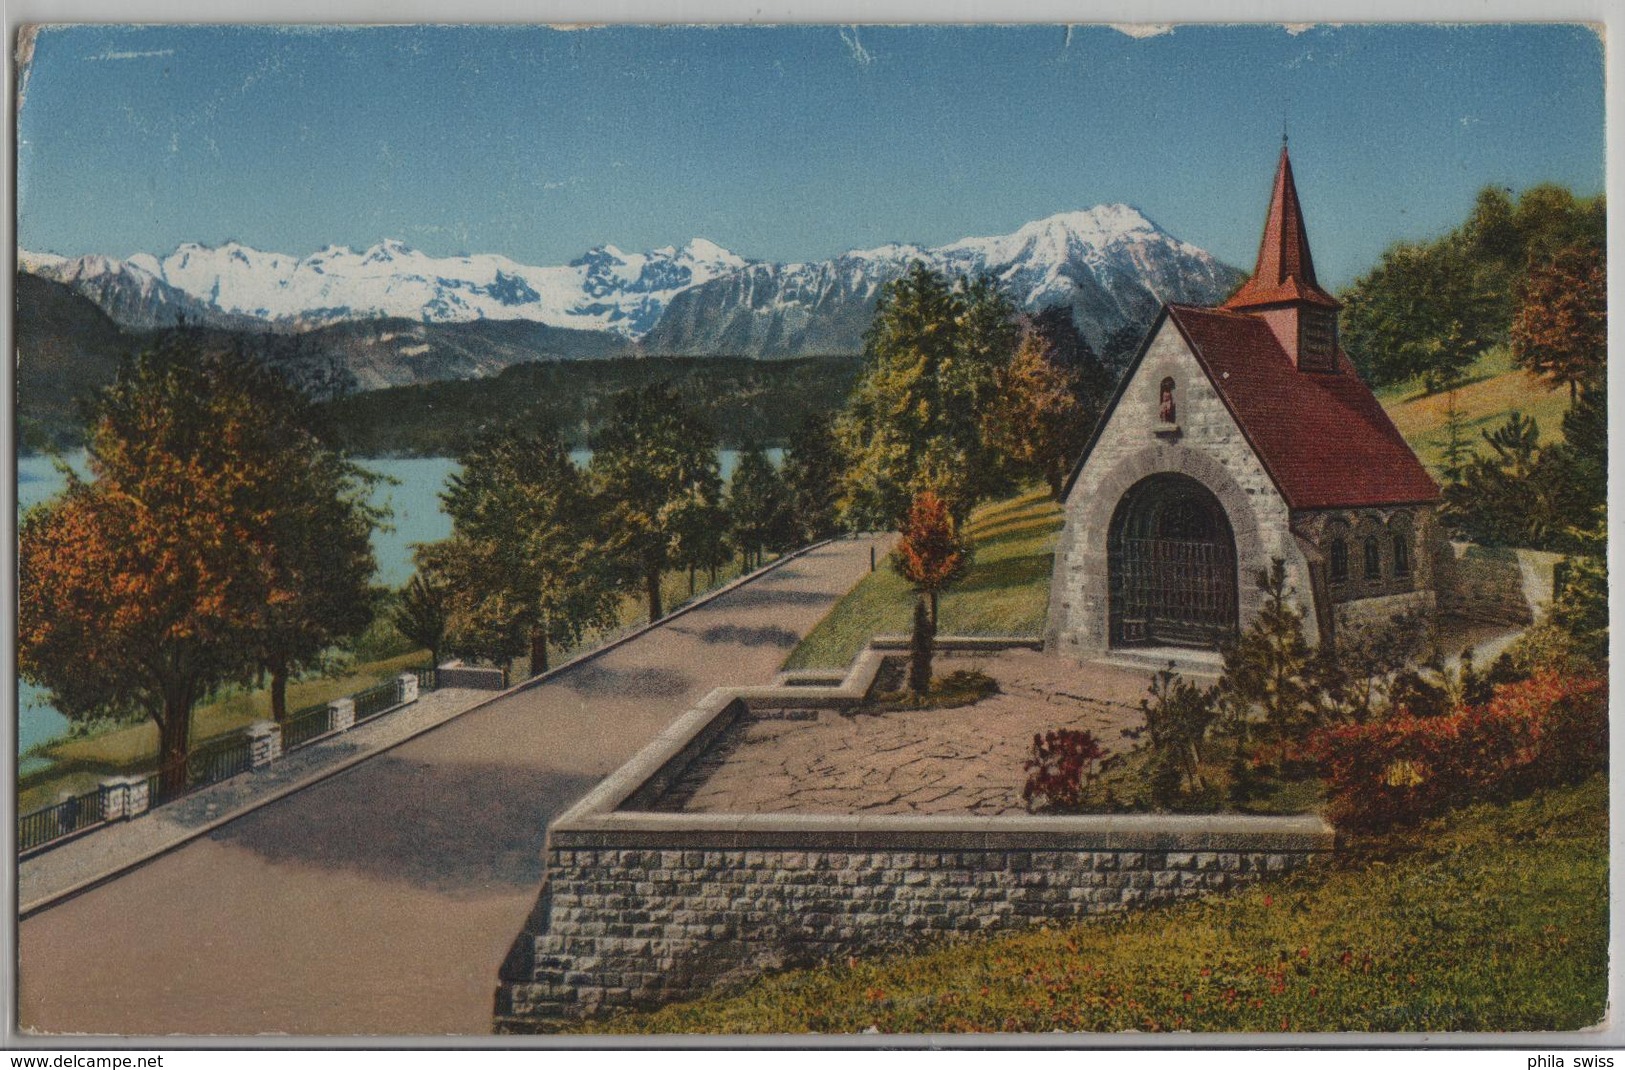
<point>413,499</point>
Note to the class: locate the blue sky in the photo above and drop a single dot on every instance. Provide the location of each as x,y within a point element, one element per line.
<point>784,143</point>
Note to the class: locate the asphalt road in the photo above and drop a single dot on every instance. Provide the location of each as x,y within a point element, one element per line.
<point>382,900</point>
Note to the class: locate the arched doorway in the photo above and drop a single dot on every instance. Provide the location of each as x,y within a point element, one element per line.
<point>1172,559</point>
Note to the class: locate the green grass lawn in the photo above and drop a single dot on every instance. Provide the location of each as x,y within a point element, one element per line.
<point>1006,591</point>
<point>1494,388</point>
<point>1491,919</point>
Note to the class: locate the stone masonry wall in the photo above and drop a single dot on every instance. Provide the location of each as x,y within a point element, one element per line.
<point>636,926</point>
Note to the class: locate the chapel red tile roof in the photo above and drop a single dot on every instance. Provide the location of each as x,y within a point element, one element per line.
<point>1323,437</point>
<point>1285,271</point>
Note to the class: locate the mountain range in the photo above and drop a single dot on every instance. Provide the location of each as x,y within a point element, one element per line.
<point>392,315</point>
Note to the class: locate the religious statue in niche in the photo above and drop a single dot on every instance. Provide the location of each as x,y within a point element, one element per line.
<point>1166,409</point>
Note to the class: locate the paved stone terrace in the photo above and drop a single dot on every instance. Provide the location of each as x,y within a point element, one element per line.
<point>957,761</point>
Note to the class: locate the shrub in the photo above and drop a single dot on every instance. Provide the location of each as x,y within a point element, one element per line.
<point>1061,765</point>
<point>1177,716</point>
<point>1547,729</point>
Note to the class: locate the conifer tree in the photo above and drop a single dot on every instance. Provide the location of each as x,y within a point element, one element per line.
<point>1266,669</point>
<point>758,510</point>
<point>913,420</point>
<point>812,477</point>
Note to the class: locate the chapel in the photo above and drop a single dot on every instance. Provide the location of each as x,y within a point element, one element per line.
<point>1238,436</point>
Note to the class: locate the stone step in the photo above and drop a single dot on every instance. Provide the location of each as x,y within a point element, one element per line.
<point>1186,661</point>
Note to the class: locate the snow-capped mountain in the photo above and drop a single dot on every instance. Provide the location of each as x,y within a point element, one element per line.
<point>1109,263</point>
<point>605,289</point>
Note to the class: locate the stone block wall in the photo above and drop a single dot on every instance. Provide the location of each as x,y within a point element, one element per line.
<point>627,926</point>
<point>642,907</point>
<point>1493,585</point>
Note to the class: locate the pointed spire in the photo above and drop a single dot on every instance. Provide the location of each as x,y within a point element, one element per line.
<point>1285,272</point>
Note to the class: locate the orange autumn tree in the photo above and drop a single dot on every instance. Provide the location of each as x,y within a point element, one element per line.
<point>1560,331</point>
<point>1036,419</point>
<point>931,554</point>
<point>181,560</point>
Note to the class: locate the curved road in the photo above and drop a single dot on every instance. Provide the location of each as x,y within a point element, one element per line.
<point>382,900</point>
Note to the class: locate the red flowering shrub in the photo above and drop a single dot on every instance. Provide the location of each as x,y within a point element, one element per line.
<point>1062,763</point>
<point>1543,730</point>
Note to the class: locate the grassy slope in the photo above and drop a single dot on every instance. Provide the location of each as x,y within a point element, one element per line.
<point>1006,591</point>
<point>1494,388</point>
<point>1492,919</point>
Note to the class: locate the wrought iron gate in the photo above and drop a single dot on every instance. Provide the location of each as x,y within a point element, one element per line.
<point>1174,591</point>
<point>1173,566</point>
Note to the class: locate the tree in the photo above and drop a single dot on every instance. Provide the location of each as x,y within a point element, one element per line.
<point>1560,331</point>
<point>321,565</point>
<point>1036,419</point>
<point>423,612</point>
<point>913,421</point>
<point>758,511</point>
<point>921,643</point>
<point>812,478</point>
<point>1267,668</point>
<point>519,564</point>
<point>1426,310</point>
<point>1120,347</point>
<point>699,523</point>
<point>650,459</point>
<point>930,555</point>
<point>155,581</point>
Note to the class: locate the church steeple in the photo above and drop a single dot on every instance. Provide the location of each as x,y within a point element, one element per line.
<point>1283,290</point>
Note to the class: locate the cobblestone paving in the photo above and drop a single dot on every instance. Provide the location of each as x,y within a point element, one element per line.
<point>965,760</point>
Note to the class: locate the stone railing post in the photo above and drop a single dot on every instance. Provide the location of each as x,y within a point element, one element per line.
<point>264,743</point>
<point>406,687</point>
<point>115,797</point>
<point>137,799</point>
<point>343,714</point>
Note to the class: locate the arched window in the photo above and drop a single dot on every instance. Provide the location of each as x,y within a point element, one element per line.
<point>1339,560</point>
<point>1402,553</point>
<point>1373,559</point>
<point>1165,408</point>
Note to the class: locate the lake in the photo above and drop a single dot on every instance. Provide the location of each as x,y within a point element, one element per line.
<point>413,498</point>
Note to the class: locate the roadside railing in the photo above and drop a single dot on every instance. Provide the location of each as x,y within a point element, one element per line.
<point>307,724</point>
<point>221,758</point>
<point>73,814</point>
<point>375,700</point>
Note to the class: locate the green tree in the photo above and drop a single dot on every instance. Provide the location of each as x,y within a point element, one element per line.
<point>650,459</point>
<point>913,420</point>
<point>321,568</point>
<point>699,524</point>
<point>812,477</point>
<point>1426,310</point>
<point>147,586</point>
<point>422,613</point>
<point>1267,668</point>
<point>758,508</point>
<point>519,564</point>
